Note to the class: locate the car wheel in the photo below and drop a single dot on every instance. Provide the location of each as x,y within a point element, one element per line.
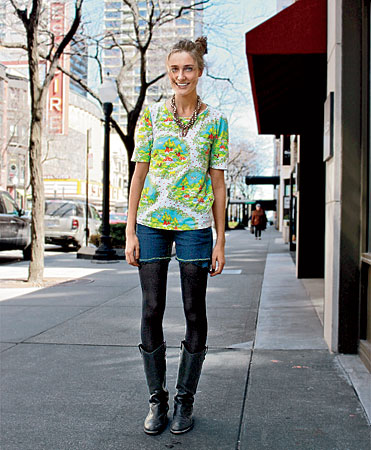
<point>27,253</point>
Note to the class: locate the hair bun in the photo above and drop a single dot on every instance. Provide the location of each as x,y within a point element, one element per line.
<point>201,44</point>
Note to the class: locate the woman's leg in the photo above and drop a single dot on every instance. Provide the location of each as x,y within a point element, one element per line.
<point>194,254</point>
<point>155,251</point>
<point>194,284</point>
<point>153,280</point>
<point>193,348</point>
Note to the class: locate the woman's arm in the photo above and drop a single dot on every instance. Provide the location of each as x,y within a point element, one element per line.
<point>136,187</point>
<point>218,258</point>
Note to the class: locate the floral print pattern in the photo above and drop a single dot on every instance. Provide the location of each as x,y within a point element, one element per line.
<point>177,193</point>
<point>168,154</point>
<point>172,219</point>
<point>193,190</point>
<point>149,194</point>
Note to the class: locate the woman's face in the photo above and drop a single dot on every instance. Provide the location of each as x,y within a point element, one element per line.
<point>183,73</point>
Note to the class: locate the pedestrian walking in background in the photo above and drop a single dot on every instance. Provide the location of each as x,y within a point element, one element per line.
<point>259,221</point>
<point>181,153</point>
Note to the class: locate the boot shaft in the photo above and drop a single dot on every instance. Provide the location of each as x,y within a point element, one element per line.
<point>190,366</point>
<point>155,368</point>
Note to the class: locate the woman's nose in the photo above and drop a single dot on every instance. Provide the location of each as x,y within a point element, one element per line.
<point>181,75</point>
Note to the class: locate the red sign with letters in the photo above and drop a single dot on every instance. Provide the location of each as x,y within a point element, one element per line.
<point>58,89</point>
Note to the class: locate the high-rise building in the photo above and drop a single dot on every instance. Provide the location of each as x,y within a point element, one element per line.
<point>79,63</point>
<point>119,22</point>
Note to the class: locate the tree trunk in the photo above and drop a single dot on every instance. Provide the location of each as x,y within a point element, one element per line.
<point>36,267</point>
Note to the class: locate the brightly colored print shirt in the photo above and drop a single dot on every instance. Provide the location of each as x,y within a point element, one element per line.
<point>177,193</point>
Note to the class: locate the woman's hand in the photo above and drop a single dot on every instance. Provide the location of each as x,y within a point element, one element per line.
<point>217,260</point>
<point>132,243</point>
<point>132,249</point>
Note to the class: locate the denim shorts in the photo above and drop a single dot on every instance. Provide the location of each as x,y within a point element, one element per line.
<point>193,246</point>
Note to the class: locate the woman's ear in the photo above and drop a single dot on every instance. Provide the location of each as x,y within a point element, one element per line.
<point>200,72</point>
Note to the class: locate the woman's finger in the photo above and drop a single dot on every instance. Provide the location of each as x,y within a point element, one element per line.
<point>218,264</point>
<point>213,264</point>
<point>129,255</point>
<point>220,268</point>
<point>136,255</point>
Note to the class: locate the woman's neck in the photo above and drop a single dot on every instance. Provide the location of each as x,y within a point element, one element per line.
<point>185,105</point>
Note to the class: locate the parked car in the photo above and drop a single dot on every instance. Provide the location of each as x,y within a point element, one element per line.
<point>65,222</point>
<point>118,218</point>
<point>15,228</point>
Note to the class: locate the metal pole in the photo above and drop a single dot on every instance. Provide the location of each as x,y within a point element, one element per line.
<point>105,250</point>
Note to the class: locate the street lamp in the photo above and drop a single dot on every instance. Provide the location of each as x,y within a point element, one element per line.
<point>107,94</point>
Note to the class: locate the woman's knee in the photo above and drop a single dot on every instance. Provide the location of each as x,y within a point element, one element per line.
<point>152,310</point>
<point>195,317</point>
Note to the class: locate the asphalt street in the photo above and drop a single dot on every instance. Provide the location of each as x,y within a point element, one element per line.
<point>72,377</point>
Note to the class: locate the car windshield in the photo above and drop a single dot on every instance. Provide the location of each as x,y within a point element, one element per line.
<point>118,216</point>
<point>60,209</point>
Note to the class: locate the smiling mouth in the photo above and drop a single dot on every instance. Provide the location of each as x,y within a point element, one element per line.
<point>182,84</point>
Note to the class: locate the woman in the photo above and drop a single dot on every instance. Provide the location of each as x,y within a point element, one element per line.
<point>181,154</point>
<point>259,221</point>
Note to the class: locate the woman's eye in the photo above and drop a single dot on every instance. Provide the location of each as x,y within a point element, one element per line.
<point>189,69</point>
<point>173,70</point>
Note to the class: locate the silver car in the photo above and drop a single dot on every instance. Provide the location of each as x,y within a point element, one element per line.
<point>15,229</point>
<point>65,222</point>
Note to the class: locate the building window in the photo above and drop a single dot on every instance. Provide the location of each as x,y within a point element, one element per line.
<point>113,14</point>
<point>286,151</point>
<point>113,5</point>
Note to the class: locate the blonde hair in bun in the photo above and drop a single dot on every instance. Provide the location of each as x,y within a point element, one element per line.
<point>197,49</point>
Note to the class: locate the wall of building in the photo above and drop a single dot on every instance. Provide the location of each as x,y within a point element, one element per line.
<point>345,202</point>
<point>14,128</point>
<point>333,179</point>
<point>66,157</point>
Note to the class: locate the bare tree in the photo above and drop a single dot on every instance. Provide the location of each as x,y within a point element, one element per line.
<point>32,19</point>
<point>134,45</point>
<point>137,45</point>
<point>243,161</point>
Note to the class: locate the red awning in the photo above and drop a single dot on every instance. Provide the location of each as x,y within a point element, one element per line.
<point>287,64</point>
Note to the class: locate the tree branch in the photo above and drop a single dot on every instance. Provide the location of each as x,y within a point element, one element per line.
<point>21,13</point>
<point>65,41</point>
<point>220,78</point>
<point>13,45</point>
<point>149,83</point>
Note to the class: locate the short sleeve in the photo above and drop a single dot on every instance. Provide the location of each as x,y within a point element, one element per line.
<point>219,148</point>
<point>143,138</point>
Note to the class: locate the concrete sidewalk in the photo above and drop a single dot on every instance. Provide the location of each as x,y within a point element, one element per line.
<point>72,376</point>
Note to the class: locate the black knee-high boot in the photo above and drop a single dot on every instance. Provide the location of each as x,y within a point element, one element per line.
<point>189,372</point>
<point>155,370</point>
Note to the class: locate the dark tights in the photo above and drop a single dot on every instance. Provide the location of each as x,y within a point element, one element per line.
<point>258,231</point>
<point>153,279</point>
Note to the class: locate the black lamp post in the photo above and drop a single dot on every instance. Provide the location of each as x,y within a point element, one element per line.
<point>105,252</point>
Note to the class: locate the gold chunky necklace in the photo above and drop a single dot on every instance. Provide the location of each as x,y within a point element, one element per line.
<point>185,127</point>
